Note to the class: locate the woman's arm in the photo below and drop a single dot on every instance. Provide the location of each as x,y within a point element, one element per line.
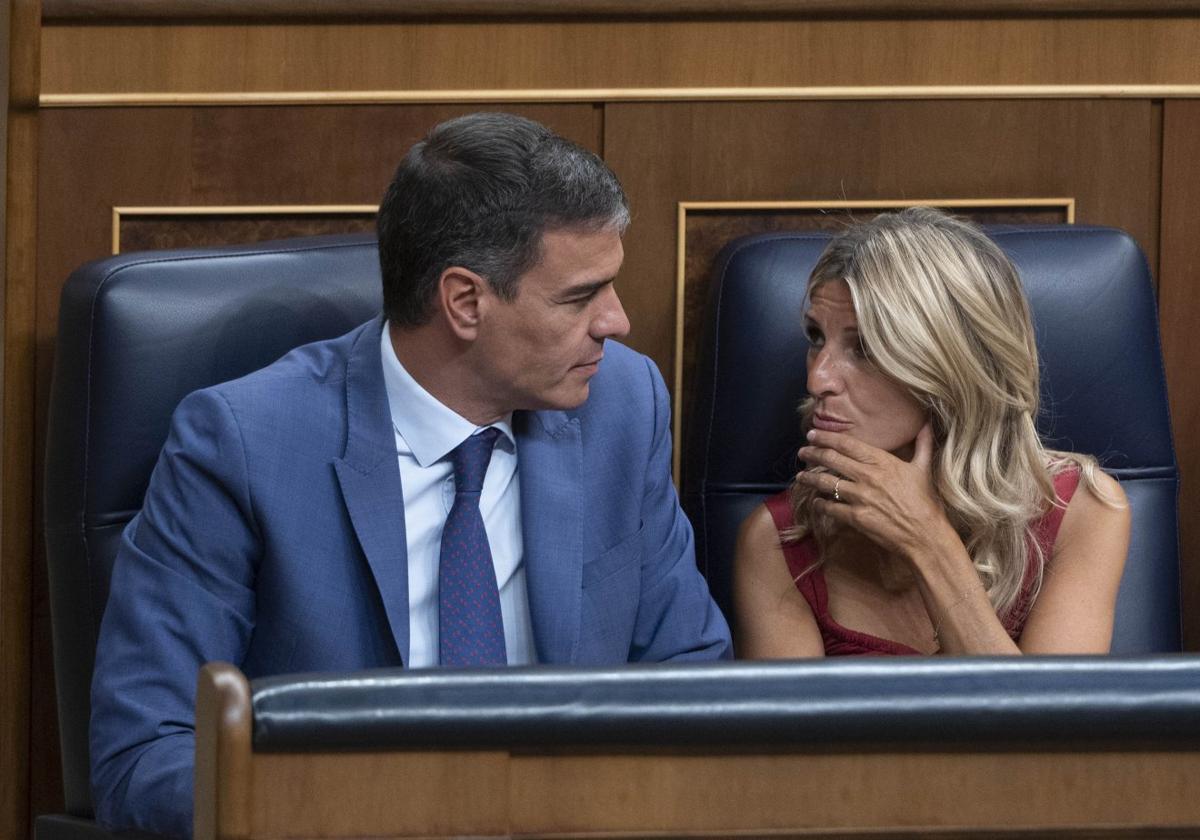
<point>1074,610</point>
<point>772,621</point>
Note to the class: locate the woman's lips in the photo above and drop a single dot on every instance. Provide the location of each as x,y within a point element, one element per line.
<point>826,423</point>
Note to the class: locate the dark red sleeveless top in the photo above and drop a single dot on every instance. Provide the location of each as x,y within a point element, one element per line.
<point>842,641</point>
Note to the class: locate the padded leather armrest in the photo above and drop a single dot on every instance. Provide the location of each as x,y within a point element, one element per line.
<point>948,702</point>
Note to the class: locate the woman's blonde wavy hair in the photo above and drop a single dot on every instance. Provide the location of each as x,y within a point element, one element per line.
<point>942,312</point>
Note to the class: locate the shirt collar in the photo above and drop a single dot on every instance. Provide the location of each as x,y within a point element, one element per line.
<point>431,429</point>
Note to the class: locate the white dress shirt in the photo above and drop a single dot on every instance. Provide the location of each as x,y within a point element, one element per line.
<point>426,433</point>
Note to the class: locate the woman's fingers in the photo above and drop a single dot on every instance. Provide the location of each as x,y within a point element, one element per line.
<point>884,497</point>
<point>923,448</point>
<point>828,484</point>
<point>841,454</point>
<point>851,447</point>
<point>816,456</point>
<point>841,513</point>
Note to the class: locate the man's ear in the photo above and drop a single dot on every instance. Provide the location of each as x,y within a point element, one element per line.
<point>459,295</point>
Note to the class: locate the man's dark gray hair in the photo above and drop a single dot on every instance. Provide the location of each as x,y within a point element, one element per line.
<point>478,192</point>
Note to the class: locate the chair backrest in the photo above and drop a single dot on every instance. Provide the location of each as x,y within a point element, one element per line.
<point>137,333</point>
<point>1103,393</point>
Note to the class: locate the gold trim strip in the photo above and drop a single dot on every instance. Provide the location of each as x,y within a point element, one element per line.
<point>883,204</point>
<point>677,393</point>
<point>233,210</point>
<point>1068,205</point>
<point>376,97</point>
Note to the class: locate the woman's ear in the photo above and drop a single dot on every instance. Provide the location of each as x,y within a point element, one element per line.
<point>458,298</point>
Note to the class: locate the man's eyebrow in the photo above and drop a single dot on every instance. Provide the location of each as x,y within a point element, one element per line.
<point>583,289</point>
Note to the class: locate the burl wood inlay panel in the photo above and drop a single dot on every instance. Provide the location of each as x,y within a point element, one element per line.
<point>199,229</point>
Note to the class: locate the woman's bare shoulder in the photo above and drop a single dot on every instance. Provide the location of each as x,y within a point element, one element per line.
<point>1075,607</point>
<point>759,552</point>
<point>1097,516</point>
<point>759,525</point>
<point>773,620</point>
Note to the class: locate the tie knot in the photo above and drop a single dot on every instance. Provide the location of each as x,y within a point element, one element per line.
<point>471,459</point>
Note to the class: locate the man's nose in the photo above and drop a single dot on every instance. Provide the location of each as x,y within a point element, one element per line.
<point>611,321</point>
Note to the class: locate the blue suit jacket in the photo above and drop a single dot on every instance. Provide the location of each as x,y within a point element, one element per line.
<point>272,536</point>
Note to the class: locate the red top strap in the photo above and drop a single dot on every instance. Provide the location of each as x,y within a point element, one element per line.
<point>843,641</point>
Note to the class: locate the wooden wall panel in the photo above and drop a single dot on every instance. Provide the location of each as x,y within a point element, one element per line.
<point>1179,307</point>
<point>97,159</point>
<point>924,791</point>
<point>1103,154</point>
<point>549,55</point>
<point>92,160</point>
<point>953,142</point>
<point>258,10</point>
<point>17,385</point>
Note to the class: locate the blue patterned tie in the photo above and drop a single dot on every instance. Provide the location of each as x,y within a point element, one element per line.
<point>470,627</point>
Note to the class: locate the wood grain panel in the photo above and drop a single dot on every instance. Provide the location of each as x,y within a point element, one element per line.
<point>1179,314</point>
<point>353,795</point>
<point>17,568</point>
<point>546,55</point>
<point>94,160</point>
<point>824,793</point>
<point>1104,154</point>
<point>433,9</point>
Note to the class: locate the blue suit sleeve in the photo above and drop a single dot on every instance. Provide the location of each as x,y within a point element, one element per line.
<point>677,617</point>
<point>182,594</point>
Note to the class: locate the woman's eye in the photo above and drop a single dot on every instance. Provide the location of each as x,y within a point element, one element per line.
<point>860,352</point>
<point>815,339</point>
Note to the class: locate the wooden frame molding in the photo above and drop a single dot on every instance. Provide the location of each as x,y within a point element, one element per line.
<point>119,213</point>
<point>686,207</point>
<point>599,95</point>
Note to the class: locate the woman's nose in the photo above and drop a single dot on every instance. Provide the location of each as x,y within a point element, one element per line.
<point>823,377</point>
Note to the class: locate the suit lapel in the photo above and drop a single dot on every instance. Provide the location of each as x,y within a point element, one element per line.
<point>550,459</point>
<point>369,475</point>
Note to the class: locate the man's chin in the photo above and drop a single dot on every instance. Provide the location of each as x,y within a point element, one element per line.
<point>568,399</point>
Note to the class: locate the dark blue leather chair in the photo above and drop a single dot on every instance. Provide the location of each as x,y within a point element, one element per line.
<point>137,333</point>
<point>1103,393</point>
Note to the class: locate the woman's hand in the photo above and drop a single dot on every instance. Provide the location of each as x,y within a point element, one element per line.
<point>889,500</point>
<point>893,503</point>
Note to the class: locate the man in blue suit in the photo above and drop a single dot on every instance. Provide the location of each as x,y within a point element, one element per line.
<point>479,477</point>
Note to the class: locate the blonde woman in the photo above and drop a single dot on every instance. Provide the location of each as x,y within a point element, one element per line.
<point>929,517</point>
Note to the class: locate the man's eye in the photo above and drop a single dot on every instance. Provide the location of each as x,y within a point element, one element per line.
<point>581,300</point>
<point>815,338</point>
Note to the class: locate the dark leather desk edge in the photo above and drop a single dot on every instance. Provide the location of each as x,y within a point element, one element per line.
<point>1044,701</point>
